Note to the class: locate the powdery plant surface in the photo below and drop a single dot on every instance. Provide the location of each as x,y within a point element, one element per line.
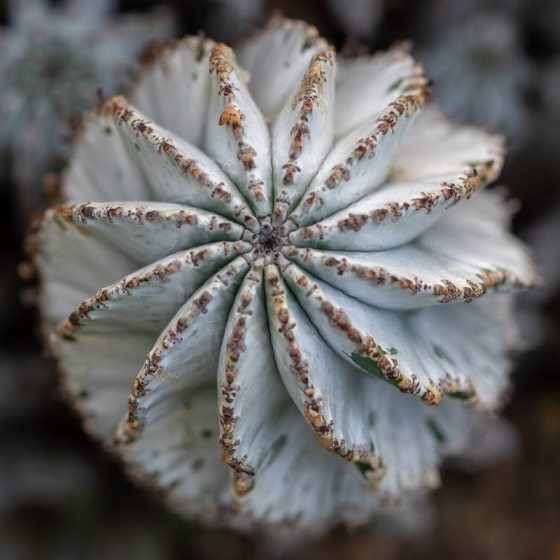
<point>278,289</point>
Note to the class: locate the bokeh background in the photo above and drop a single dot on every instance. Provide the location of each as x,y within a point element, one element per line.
<point>495,63</point>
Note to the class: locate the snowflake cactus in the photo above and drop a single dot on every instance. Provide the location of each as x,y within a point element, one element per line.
<point>54,60</point>
<point>270,268</point>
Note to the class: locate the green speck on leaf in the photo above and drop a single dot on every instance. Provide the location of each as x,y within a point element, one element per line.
<point>68,337</point>
<point>461,395</point>
<point>395,85</point>
<point>275,449</point>
<point>83,394</point>
<point>364,468</point>
<point>436,430</point>
<point>370,366</point>
<point>136,146</point>
<point>393,351</point>
<point>408,88</point>
<point>58,221</point>
<point>306,45</point>
<point>472,164</point>
<point>198,464</point>
<point>440,353</point>
<point>107,130</point>
<point>200,54</point>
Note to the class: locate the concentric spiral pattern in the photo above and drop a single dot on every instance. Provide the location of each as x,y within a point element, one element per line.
<point>297,248</point>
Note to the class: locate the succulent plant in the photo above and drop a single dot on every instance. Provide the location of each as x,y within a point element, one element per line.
<point>484,74</point>
<point>289,260</point>
<point>54,60</point>
<point>357,18</point>
<point>224,20</point>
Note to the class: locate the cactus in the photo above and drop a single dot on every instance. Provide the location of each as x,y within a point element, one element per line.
<point>277,288</point>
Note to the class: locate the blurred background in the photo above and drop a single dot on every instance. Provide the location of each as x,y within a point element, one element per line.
<point>493,62</point>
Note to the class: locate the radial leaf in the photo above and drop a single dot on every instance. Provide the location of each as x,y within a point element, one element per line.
<point>367,84</point>
<point>359,163</point>
<point>118,178</point>
<point>149,231</point>
<point>251,394</point>
<point>276,59</point>
<point>185,356</point>
<point>303,134</point>
<point>300,484</point>
<point>315,377</point>
<point>440,168</point>
<point>462,257</point>
<point>175,169</point>
<point>180,77</point>
<point>422,352</point>
<point>131,312</point>
<point>177,453</point>
<point>237,136</point>
<point>95,263</point>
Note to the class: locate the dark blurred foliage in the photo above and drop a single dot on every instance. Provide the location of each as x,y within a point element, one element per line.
<point>63,498</point>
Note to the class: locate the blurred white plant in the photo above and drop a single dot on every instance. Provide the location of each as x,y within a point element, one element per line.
<point>54,60</point>
<point>480,72</point>
<point>298,262</point>
<point>229,19</point>
<point>357,18</point>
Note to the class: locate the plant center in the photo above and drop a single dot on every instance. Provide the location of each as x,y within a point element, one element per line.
<point>268,240</point>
